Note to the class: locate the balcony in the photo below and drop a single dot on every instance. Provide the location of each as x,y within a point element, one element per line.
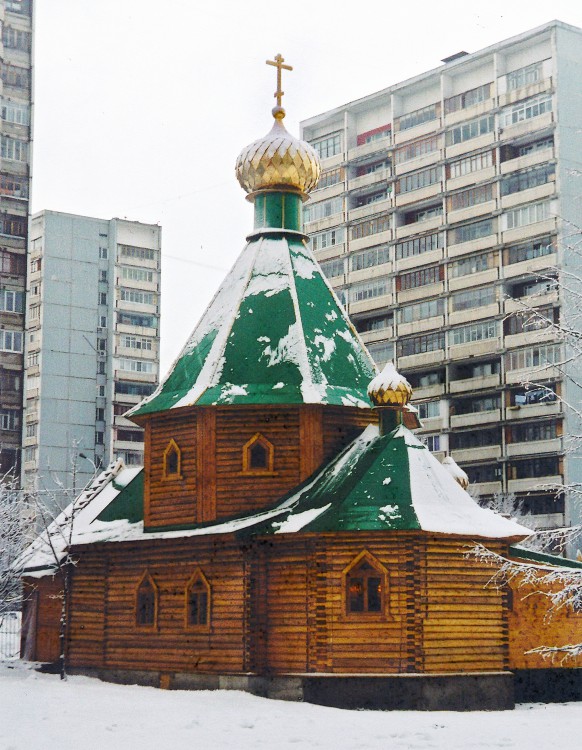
<point>470,455</point>
<point>411,361</point>
<point>428,391</point>
<point>461,317</point>
<point>374,303</point>
<point>523,304</point>
<point>472,144</point>
<point>370,337</point>
<point>472,246</point>
<point>419,227</point>
<point>533,374</point>
<point>379,238</point>
<point>538,336</point>
<point>509,132</point>
<point>476,418</point>
<point>529,195</point>
<point>551,483</point>
<point>420,326</point>
<point>468,113</point>
<point>411,134</point>
<point>358,153</point>
<point>529,160</point>
<point>370,209</point>
<point>524,92</point>
<point>426,160</point>
<point>535,265</point>
<point>327,222</point>
<point>366,180</point>
<point>455,183</point>
<point>420,292</point>
<point>432,424</point>
<point>534,448</point>
<point>421,194</point>
<point>475,384</point>
<point>548,226</point>
<point>484,489</point>
<point>474,348</point>
<point>373,272</point>
<point>531,411</point>
<point>472,212</point>
<point>473,279</point>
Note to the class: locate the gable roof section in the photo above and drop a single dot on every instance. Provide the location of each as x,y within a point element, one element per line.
<point>274,333</point>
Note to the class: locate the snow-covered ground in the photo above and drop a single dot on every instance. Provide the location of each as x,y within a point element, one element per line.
<point>38,712</point>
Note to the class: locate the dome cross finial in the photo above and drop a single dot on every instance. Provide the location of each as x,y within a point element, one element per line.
<point>278,111</point>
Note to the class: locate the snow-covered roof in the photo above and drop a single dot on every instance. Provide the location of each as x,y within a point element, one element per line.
<point>275,333</point>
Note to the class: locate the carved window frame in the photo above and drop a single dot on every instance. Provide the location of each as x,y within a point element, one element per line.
<point>374,570</point>
<point>172,447</point>
<point>152,586</point>
<point>247,463</point>
<point>198,578</point>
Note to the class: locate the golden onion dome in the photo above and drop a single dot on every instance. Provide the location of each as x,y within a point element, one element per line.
<point>390,388</point>
<point>279,160</point>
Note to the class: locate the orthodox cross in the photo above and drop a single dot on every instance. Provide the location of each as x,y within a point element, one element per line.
<point>278,63</point>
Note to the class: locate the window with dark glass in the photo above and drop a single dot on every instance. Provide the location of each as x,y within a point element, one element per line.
<point>365,587</point>
<point>146,602</point>
<point>198,601</point>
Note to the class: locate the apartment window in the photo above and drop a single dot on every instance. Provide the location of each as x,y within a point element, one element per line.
<point>103,321</point>
<point>530,214</point>
<point>134,389</point>
<point>377,134</point>
<point>477,405</point>
<point>137,296</point>
<point>376,166</point>
<point>422,277</point>
<point>530,148</point>
<point>135,319</point>
<point>426,379</point>
<point>34,312</point>
<point>99,414</point>
<point>416,149</point>
<point>472,264</point>
<point>533,357</point>
<point>136,342</point>
<point>480,297</point>
<point>16,113</point>
<point>9,381</point>
<point>528,250</point>
<point>10,341</point>
<point>136,274</point>
<point>321,240</point>
<point>30,454</point>
<point>99,438</point>
<point>422,310</point>
<point>417,117</point>
<point>418,180</point>
<point>468,98</point>
<point>475,439</point>
<point>131,458</point>
<point>419,245</point>
<point>102,298</point>
<point>527,179</point>
<point>323,210</point>
<point>470,197</point>
<point>9,419</point>
<point>371,226</point>
<point>430,342</point>
<point>35,265</point>
<point>328,146</point>
<point>533,320</point>
<point>423,214</point>
<point>484,473</point>
<point>471,164</point>
<point>369,289</point>
<point>524,76</point>
<point>16,39</point>
<point>14,76</point>
<point>469,232</point>
<point>367,200</point>
<point>101,368</point>
<point>379,323</point>
<point>525,110</point>
<point>18,6</point>
<point>382,352</point>
<point>101,391</point>
<point>331,177</point>
<point>31,429</point>
<point>13,226</point>
<point>432,442</point>
<point>33,359</point>
<point>130,436</point>
<point>11,263</point>
<point>524,433</point>
<point>136,365</point>
<point>545,395</point>
<point>545,466</point>
<point>331,268</point>
<point>141,253</point>
<point>103,253</point>
<point>543,504</point>
<point>375,256</point>
<point>429,409</point>
<point>11,301</point>
<point>472,129</point>
<point>474,332</point>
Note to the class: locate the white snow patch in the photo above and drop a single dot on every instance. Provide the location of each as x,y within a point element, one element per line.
<point>304,266</point>
<point>229,391</point>
<point>387,480</point>
<point>389,512</point>
<point>264,339</point>
<point>331,315</point>
<point>299,520</point>
<point>328,346</point>
<point>278,385</point>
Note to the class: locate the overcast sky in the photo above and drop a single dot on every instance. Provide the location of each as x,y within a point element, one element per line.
<point>142,107</point>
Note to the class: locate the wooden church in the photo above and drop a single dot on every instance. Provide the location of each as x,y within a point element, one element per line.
<point>288,534</point>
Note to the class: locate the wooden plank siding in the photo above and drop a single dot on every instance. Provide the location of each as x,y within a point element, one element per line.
<point>41,617</point>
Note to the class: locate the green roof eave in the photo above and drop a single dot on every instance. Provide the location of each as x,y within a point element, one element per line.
<point>128,504</point>
<point>541,557</point>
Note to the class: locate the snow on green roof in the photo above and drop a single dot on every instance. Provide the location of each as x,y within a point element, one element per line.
<point>274,333</point>
<point>389,482</point>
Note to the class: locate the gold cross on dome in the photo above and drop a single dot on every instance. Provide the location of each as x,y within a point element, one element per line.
<point>278,63</point>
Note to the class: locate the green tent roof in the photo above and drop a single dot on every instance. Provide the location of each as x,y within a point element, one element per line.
<point>274,333</point>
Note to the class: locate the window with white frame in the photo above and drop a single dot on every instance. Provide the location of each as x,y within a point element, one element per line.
<point>369,289</point>
<point>474,332</point>
<point>136,274</point>
<point>11,301</point>
<point>469,130</point>
<point>420,245</point>
<point>137,296</point>
<point>468,98</point>
<point>525,110</point>
<point>331,268</point>
<point>417,117</point>
<point>375,256</point>
<point>530,214</point>
<point>381,352</point>
<point>432,442</point>
<point>17,113</point>
<point>9,419</point>
<point>137,342</point>
<point>480,297</point>
<point>332,237</point>
<point>524,76</point>
<point>10,341</point>
<point>417,180</point>
<point>471,164</point>
<point>330,145</point>
<point>323,209</point>
<point>422,310</point>
<point>472,264</point>
<point>416,149</point>
<point>141,253</point>
<point>13,149</point>
<point>429,409</point>
<point>534,357</point>
<point>136,365</point>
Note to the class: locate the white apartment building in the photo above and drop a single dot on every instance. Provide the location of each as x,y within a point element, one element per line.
<point>446,204</point>
<point>92,344</point>
<point>16,29</point>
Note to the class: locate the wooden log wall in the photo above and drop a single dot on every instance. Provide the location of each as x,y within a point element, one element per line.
<point>464,621</point>
<point>41,618</point>
<point>171,645</point>
<point>534,623</point>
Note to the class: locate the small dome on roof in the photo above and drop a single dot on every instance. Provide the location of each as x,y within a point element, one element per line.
<point>456,472</point>
<point>278,160</point>
<point>389,388</point>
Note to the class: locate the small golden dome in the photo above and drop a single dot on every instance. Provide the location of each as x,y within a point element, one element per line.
<point>389,388</point>
<point>278,161</point>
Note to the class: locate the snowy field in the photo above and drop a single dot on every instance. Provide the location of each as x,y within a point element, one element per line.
<point>38,712</point>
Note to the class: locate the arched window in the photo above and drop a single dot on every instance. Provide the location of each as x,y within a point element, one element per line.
<point>146,602</point>
<point>198,601</point>
<point>172,461</point>
<point>365,587</point>
<point>258,455</point>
